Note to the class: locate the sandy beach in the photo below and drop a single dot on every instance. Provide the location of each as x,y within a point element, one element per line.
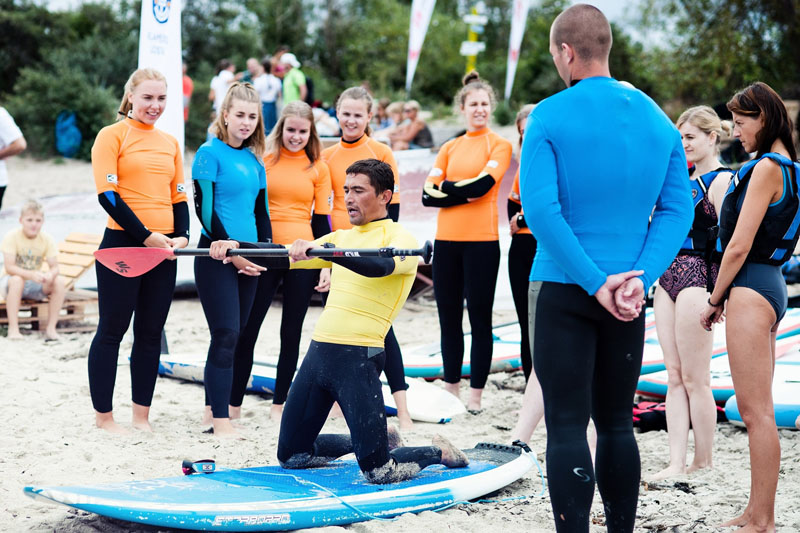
<point>49,436</point>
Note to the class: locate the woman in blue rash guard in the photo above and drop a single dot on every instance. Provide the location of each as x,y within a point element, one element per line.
<point>231,203</point>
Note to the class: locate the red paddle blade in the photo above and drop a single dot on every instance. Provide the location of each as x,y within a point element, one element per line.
<point>131,262</point>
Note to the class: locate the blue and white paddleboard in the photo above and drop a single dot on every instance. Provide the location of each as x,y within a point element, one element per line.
<point>655,385</point>
<point>426,402</point>
<point>425,361</point>
<point>269,498</point>
<point>785,394</point>
<point>653,357</point>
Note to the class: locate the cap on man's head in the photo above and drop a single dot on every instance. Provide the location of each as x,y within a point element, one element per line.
<point>289,59</point>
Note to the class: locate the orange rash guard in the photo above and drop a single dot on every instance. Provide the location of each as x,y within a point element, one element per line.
<point>477,153</point>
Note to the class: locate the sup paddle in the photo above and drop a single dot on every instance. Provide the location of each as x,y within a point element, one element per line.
<point>135,261</point>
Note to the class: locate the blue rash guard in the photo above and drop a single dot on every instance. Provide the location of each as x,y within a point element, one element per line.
<point>596,158</point>
<point>237,177</point>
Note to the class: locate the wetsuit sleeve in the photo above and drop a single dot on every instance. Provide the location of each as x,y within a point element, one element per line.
<point>320,225</point>
<point>539,195</point>
<point>263,223</point>
<point>671,219</point>
<point>123,215</point>
<point>432,195</point>
<point>204,207</point>
<point>512,208</point>
<point>180,219</point>
<point>469,188</point>
<point>378,267</point>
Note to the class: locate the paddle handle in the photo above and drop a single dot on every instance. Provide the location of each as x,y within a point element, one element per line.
<point>426,252</point>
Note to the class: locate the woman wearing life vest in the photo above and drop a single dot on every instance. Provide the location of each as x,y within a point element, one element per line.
<point>354,111</point>
<point>758,232</point>
<point>299,190</point>
<point>682,291</point>
<point>138,171</point>
<point>231,203</point>
<point>464,183</point>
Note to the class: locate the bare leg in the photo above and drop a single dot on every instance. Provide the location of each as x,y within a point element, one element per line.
<point>677,400</point>
<point>694,349</point>
<point>13,302</point>
<point>106,421</point>
<point>233,412</point>
<point>474,402</point>
<point>207,415</point>
<point>452,457</point>
<point>750,332</point>
<point>403,416</point>
<point>141,415</point>
<point>275,412</point>
<point>453,388</point>
<point>531,412</point>
<point>55,292</point>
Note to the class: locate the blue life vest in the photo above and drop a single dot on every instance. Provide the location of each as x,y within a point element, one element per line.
<point>779,230</point>
<point>703,233</point>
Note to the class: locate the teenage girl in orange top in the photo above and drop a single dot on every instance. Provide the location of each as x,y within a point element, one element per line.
<point>354,111</point>
<point>138,171</point>
<point>464,183</point>
<point>299,191</point>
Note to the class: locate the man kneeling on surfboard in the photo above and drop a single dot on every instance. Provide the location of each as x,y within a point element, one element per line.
<point>346,357</point>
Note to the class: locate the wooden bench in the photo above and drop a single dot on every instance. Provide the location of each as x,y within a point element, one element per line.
<point>75,257</point>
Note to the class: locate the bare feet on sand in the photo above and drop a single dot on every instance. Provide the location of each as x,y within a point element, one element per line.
<point>105,421</point>
<point>51,335</point>
<point>223,428</point>
<point>141,418</point>
<point>740,520</point>
<point>276,412</point>
<point>670,471</point>
<point>695,467</point>
<point>452,457</point>
<point>452,388</point>
<point>404,421</point>
<point>14,336</point>
<point>234,412</point>
<point>474,403</point>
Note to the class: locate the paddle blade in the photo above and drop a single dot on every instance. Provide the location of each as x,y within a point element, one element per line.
<point>131,262</point>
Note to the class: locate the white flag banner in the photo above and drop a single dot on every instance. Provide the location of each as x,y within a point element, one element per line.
<point>421,11</point>
<point>160,48</point>
<point>518,19</point>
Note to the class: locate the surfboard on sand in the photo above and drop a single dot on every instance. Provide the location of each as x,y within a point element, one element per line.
<point>785,395</point>
<point>653,357</point>
<point>787,350</point>
<point>270,498</point>
<point>426,402</point>
<point>425,361</point>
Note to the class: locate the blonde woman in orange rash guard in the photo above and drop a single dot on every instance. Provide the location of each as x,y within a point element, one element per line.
<point>138,171</point>
<point>354,111</point>
<point>464,183</point>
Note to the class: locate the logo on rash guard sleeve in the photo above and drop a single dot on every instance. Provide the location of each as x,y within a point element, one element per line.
<point>181,187</point>
<point>111,178</point>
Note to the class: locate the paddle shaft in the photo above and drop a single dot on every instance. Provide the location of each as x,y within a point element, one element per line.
<point>426,251</point>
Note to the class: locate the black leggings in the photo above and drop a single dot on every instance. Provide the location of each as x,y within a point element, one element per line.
<point>227,297</point>
<point>349,375</point>
<point>298,286</point>
<point>2,193</point>
<point>466,269</point>
<point>150,296</point>
<point>520,258</point>
<point>588,364</point>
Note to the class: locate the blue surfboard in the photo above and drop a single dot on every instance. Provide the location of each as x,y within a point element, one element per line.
<point>270,498</point>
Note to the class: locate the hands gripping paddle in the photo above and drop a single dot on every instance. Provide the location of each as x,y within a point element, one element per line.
<point>135,261</point>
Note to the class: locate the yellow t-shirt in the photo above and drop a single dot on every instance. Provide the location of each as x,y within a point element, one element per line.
<point>29,253</point>
<point>360,310</point>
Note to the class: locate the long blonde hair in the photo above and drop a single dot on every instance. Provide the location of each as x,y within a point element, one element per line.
<point>246,93</point>
<point>313,147</point>
<point>138,76</point>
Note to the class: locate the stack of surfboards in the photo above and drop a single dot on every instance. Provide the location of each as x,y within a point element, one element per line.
<point>269,498</point>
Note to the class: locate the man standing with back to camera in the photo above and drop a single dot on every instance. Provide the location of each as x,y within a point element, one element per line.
<point>595,160</point>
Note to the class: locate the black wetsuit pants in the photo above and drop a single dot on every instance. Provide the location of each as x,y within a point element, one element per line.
<point>150,296</point>
<point>588,364</point>
<point>348,375</point>
<point>227,297</point>
<point>520,258</point>
<point>466,270</point>
<point>298,286</point>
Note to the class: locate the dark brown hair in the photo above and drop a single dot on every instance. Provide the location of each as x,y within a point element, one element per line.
<point>759,99</point>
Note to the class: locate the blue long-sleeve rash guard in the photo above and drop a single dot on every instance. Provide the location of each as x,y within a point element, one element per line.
<point>596,159</point>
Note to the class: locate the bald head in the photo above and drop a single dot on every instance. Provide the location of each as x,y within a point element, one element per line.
<point>586,30</point>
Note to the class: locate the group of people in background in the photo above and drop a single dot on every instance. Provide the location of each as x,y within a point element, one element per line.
<point>590,234</point>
